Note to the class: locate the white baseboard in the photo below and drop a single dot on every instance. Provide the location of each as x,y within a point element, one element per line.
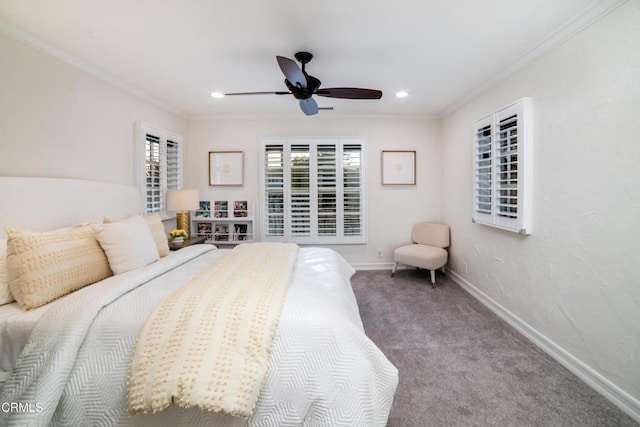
<point>378,266</point>
<point>609,390</point>
<point>372,265</point>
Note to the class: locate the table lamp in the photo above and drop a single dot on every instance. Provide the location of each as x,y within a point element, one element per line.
<point>183,201</point>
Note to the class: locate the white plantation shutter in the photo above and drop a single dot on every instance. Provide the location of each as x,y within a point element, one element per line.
<point>327,171</point>
<point>507,160</point>
<point>299,191</point>
<point>174,165</point>
<point>153,174</point>
<point>503,163</point>
<point>273,205</point>
<point>162,166</point>
<point>312,190</point>
<point>352,189</point>
<point>483,163</point>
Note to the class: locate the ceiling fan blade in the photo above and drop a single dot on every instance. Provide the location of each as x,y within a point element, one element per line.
<point>292,72</point>
<point>257,93</point>
<point>350,93</point>
<point>309,106</point>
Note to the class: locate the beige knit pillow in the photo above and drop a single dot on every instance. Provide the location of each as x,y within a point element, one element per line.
<point>5,292</point>
<point>44,266</point>
<point>157,231</point>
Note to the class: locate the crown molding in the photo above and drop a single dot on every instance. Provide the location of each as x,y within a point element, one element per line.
<point>334,116</point>
<point>580,22</point>
<point>32,41</point>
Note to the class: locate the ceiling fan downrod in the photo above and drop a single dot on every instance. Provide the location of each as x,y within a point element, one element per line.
<point>304,58</point>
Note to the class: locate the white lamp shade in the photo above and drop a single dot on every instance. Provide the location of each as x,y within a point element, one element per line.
<point>183,200</point>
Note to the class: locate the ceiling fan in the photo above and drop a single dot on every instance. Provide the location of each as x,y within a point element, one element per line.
<point>303,86</point>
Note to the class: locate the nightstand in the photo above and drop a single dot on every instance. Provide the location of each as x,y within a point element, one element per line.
<point>195,240</point>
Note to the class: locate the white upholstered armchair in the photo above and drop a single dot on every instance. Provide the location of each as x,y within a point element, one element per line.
<point>427,250</point>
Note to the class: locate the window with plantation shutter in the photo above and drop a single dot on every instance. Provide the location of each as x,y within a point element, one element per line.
<point>312,190</point>
<point>161,161</point>
<point>503,162</point>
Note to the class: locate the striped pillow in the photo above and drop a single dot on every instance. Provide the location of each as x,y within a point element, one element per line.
<point>42,267</point>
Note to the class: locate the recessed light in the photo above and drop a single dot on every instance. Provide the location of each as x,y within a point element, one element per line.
<point>402,94</point>
<point>217,95</point>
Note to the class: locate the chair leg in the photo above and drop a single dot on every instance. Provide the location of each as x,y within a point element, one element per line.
<point>393,270</point>
<point>433,279</point>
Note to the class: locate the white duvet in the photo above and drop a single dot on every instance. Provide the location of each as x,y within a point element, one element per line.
<point>323,369</point>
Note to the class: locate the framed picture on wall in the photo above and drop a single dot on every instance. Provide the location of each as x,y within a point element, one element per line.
<point>398,167</point>
<point>226,167</point>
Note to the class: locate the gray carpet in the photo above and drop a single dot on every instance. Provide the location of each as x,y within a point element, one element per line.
<point>461,365</point>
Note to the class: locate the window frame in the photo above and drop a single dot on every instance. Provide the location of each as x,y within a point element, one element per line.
<point>313,238</point>
<point>498,214</point>
<point>164,136</point>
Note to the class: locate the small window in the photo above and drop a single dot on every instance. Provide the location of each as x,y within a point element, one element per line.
<point>160,167</point>
<point>312,190</point>
<point>503,163</point>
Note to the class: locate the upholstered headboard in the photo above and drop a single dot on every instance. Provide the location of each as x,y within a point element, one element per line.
<point>42,204</point>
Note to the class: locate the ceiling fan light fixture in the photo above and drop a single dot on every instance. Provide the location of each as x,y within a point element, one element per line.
<point>402,94</point>
<point>217,95</point>
<point>303,86</point>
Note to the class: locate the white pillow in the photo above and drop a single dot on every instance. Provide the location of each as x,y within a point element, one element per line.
<point>5,292</point>
<point>157,231</point>
<point>127,243</point>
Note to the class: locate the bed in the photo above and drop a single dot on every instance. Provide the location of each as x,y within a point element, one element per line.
<point>67,362</point>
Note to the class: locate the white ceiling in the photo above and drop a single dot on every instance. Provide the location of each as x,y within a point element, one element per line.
<point>178,52</point>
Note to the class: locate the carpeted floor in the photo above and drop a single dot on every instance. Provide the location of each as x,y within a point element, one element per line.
<point>461,365</point>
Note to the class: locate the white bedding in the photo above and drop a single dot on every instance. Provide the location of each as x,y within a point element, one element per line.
<point>15,328</point>
<point>323,369</point>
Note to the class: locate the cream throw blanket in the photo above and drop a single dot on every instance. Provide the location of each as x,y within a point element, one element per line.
<point>208,344</point>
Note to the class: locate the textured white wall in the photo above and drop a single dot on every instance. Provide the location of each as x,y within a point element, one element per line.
<point>392,209</point>
<point>58,121</point>
<point>576,279</point>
